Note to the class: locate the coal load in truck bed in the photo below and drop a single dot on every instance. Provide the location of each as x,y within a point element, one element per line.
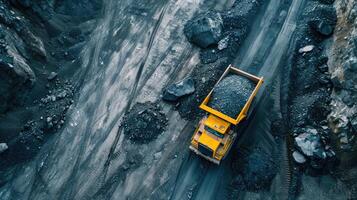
<point>230,95</point>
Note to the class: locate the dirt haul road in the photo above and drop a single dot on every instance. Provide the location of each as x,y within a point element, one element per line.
<point>268,43</point>
<point>136,50</point>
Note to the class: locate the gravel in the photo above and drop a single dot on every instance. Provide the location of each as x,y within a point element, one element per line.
<point>230,95</point>
<point>144,123</point>
<point>253,172</point>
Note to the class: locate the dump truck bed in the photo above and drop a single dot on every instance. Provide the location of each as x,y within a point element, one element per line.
<point>241,114</point>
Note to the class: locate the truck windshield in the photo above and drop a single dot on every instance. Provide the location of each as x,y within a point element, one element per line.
<point>216,133</point>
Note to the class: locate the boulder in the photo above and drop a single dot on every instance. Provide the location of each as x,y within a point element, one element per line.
<point>322,28</point>
<point>205,29</point>
<point>52,76</point>
<point>3,147</point>
<point>310,144</point>
<point>306,49</point>
<point>177,90</point>
<point>298,157</point>
<point>222,44</point>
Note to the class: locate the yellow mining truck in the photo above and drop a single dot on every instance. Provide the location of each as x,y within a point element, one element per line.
<point>214,137</point>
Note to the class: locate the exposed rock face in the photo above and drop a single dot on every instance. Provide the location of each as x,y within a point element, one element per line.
<point>15,75</point>
<point>177,90</point>
<point>205,29</point>
<point>343,67</point>
<point>37,38</point>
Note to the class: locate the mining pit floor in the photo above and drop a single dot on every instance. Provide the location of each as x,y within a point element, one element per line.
<point>139,45</point>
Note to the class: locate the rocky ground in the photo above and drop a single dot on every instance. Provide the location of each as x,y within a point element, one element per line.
<point>40,43</point>
<point>121,141</point>
<point>310,86</point>
<point>343,113</point>
<point>316,114</point>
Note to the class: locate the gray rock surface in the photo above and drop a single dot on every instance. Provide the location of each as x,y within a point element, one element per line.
<point>177,90</point>
<point>205,29</point>
<point>230,95</point>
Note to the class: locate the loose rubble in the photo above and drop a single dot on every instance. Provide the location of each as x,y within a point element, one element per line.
<point>230,95</point>
<point>144,123</point>
<point>39,40</point>
<point>180,89</point>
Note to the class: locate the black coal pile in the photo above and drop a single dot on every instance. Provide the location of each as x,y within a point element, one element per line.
<point>144,122</point>
<point>230,95</point>
<point>254,171</point>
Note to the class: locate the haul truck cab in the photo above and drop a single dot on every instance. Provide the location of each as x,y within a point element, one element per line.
<point>213,136</point>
